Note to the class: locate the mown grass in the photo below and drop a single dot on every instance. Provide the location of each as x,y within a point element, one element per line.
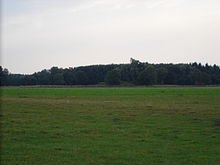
<point>91,126</point>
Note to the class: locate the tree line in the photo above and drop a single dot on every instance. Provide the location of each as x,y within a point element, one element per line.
<point>134,73</point>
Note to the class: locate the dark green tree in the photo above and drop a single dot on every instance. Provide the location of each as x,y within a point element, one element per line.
<point>69,77</point>
<point>81,78</point>
<point>56,75</point>
<point>148,76</point>
<point>130,74</point>
<point>161,75</point>
<point>200,78</point>
<point>29,80</point>
<point>3,76</point>
<point>113,77</point>
<point>58,79</point>
<point>43,77</point>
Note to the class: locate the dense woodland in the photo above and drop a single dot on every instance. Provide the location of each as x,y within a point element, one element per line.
<point>134,73</point>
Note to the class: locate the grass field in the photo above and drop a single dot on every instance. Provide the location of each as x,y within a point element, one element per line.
<point>110,126</point>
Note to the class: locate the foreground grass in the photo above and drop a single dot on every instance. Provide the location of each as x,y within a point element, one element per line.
<point>86,126</point>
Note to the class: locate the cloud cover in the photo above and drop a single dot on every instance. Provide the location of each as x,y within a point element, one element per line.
<point>45,33</point>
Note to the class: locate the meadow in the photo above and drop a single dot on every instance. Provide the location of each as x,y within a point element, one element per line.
<point>110,126</point>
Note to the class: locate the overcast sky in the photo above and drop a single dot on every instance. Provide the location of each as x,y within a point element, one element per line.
<point>39,34</point>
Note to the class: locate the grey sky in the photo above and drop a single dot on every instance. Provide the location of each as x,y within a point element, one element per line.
<point>39,34</point>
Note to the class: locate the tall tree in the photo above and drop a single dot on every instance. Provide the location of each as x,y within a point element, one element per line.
<point>3,76</point>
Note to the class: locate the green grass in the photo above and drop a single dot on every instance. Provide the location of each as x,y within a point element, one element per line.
<point>110,126</point>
